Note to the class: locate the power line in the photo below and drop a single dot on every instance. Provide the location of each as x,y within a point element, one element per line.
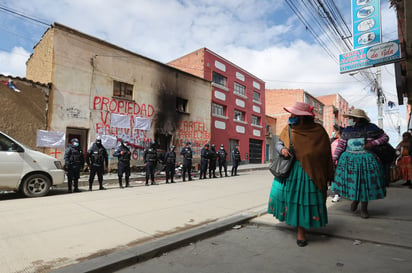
<point>8,10</point>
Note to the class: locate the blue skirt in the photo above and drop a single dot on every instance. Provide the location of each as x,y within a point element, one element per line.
<point>297,201</point>
<point>359,177</point>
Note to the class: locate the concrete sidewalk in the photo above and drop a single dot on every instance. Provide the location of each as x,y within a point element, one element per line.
<point>382,243</point>
<point>42,234</point>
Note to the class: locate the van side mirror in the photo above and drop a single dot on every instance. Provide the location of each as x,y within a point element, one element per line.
<point>16,148</point>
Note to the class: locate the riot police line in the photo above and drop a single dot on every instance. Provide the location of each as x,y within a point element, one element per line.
<point>97,161</point>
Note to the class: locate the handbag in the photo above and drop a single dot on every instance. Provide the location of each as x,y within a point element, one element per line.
<point>281,165</point>
<point>385,152</point>
<point>395,173</point>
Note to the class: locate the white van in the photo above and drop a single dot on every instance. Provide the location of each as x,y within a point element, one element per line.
<point>25,170</point>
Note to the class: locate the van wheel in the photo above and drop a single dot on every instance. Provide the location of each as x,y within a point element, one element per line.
<point>36,185</point>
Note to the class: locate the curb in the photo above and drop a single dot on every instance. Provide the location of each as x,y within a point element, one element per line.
<point>128,257</point>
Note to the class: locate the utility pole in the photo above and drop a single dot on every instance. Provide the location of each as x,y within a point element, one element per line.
<point>381,98</point>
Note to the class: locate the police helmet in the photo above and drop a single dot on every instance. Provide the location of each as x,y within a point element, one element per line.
<point>172,148</point>
<point>152,144</point>
<point>74,140</point>
<point>188,143</point>
<point>207,145</point>
<point>213,145</point>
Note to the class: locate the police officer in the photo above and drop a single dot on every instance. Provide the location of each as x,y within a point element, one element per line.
<point>204,158</point>
<point>235,159</point>
<point>74,161</point>
<point>212,161</point>
<point>187,154</point>
<point>170,161</point>
<point>150,161</point>
<point>221,155</point>
<point>123,154</point>
<point>97,159</point>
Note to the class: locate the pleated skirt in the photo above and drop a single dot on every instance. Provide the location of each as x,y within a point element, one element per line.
<point>297,201</point>
<point>359,177</point>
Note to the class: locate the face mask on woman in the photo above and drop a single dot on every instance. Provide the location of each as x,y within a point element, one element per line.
<point>293,120</point>
<point>351,122</point>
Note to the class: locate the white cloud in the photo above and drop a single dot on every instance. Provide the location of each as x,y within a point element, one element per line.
<point>14,63</point>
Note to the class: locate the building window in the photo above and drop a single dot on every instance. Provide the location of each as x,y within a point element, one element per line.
<point>239,115</point>
<point>181,105</point>
<point>256,96</point>
<point>219,79</point>
<point>218,109</point>
<point>255,120</point>
<point>122,90</point>
<point>239,89</point>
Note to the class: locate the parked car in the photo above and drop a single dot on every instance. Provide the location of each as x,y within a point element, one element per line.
<point>27,171</point>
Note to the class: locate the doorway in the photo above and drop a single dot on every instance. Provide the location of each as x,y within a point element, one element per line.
<point>80,134</point>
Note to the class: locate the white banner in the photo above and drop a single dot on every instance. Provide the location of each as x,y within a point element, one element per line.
<point>109,141</point>
<point>50,139</point>
<point>120,121</point>
<point>142,123</point>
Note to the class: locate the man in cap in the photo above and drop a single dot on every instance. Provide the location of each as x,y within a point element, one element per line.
<point>123,154</point>
<point>97,159</point>
<point>170,161</point>
<point>235,159</point>
<point>221,155</point>
<point>204,157</point>
<point>187,154</point>
<point>74,162</point>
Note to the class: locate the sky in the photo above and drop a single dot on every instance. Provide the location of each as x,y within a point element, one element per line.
<point>263,37</point>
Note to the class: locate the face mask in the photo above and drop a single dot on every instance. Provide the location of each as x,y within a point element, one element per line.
<point>333,134</point>
<point>351,122</point>
<point>293,120</point>
<point>76,144</point>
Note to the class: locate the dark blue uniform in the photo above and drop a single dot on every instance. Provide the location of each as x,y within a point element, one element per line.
<point>187,154</point>
<point>204,158</point>
<point>212,162</point>
<point>150,160</point>
<point>221,155</point>
<point>235,160</point>
<point>123,166</point>
<point>97,159</point>
<point>74,162</point>
<point>170,161</point>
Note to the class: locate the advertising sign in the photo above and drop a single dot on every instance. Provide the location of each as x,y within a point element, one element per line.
<point>366,23</point>
<point>369,56</point>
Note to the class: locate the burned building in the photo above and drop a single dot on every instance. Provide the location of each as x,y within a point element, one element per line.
<point>98,88</point>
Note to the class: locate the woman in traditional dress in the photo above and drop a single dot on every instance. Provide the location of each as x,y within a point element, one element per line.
<point>300,199</point>
<point>359,173</point>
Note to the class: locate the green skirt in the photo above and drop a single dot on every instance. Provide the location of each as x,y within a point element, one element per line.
<point>297,201</point>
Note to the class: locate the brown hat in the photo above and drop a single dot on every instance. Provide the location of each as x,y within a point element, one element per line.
<point>300,109</point>
<point>357,113</point>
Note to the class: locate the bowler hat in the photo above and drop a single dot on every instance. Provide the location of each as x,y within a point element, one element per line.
<point>300,109</point>
<point>357,113</point>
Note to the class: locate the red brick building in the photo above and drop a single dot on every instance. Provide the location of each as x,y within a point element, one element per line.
<point>335,107</point>
<point>276,99</point>
<point>238,102</point>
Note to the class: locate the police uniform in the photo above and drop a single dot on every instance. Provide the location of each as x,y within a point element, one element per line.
<point>123,166</point>
<point>204,158</point>
<point>235,160</point>
<point>170,161</point>
<point>212,161</point>
<point>97,159</point>
<point>187,154</point>
<point>74,162</point>
<point>150,160</point>
<point>221,155</point>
